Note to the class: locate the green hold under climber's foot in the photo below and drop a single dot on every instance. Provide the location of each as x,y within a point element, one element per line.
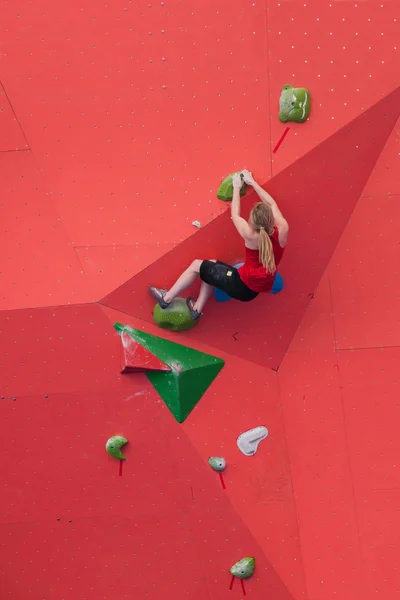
<point>177,316</point>
<point>225,191</point>
<point>294,104</point>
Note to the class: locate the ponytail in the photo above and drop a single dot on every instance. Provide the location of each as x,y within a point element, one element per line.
<point>266,251</point>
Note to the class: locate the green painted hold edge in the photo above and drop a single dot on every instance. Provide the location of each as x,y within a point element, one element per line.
<point>114,445</point>
<point>176,317</point>
<point>294,104</point>
<point>192,372</point>
<point>225,191</point>
<point>244,568</point>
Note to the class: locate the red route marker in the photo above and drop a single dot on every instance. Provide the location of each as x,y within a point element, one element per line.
<point>284,134</point>
<point>241,583</point>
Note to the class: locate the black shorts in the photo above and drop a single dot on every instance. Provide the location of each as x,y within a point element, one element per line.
<point>226,278</point>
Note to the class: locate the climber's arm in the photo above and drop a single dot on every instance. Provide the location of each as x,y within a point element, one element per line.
<point>241,224</point>
<point>280,221</point>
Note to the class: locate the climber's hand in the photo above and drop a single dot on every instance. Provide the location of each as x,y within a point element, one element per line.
<point>237,181</point>
<point>248,177</point>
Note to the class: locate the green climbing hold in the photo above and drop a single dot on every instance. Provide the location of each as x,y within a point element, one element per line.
<point>176,317</point>
<point>225,191</point>
<point>294,104</point>
<point>114,445</point>
<point>217,463</point>
<point>192,372</point>
<point>244,568</point>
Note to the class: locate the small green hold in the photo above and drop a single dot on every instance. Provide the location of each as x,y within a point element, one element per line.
<point>225,191</point>
<point>217,463</point>
<point>176,317</point>
<point>294,104</point>
<point>114,445</point>
<point>244,568</point>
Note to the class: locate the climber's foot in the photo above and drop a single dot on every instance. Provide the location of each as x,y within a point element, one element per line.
<point>159,296</point>
<point>191,306</point>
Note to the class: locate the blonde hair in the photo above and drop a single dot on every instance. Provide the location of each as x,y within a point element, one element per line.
<point>263,222</point>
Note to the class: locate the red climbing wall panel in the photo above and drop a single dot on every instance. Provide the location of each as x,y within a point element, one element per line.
<point>38,264</point>
<point>345,53</point>
<point>167,512</point>
<point>364,317</point>
<point>11,137</point>
<point>118,120</point>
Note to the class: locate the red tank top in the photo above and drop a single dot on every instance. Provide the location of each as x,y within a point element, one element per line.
<point>254,274</point>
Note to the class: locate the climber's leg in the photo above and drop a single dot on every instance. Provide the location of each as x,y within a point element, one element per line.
<point>165,297</point>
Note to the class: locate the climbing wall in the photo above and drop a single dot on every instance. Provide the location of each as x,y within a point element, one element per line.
<point>117,123</point>
<point>317,194</point>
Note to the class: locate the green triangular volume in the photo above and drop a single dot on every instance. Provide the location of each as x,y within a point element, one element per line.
<point>192,372</point>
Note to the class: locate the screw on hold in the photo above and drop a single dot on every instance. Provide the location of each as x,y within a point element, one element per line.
<point>114,445</point>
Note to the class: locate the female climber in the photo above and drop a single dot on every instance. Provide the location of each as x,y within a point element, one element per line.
<point>265,235</point>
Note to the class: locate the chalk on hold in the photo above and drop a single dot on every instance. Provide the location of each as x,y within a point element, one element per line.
<point>244,568</point>
<point>114,445</point>
<point>294,104</point>
<point>248,441</point>
<point>137,359</point>
<point>176,317</point>
<point>225,191</point>
<point>217,463</point>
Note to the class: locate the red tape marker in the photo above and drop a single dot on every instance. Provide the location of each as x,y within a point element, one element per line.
<point>241,583</point>
<point>284,134</point>
<point>121,462</point>
<point>222,481</point>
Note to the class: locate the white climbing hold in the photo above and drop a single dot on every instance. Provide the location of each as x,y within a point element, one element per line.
<point>248,441</point>
<point>197,224</point>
